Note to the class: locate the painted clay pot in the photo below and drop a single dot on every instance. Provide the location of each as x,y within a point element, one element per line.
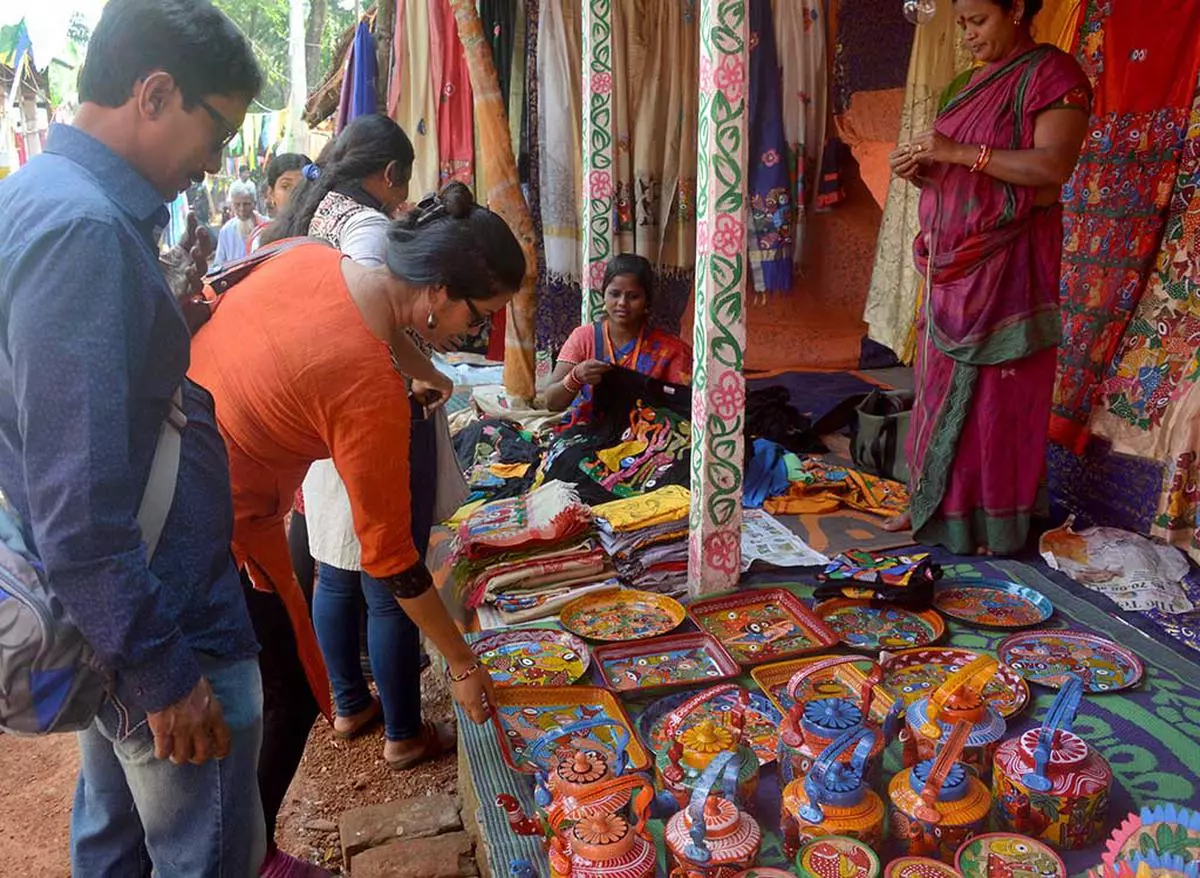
<point>1049,784</point>
<point>938,804</point>
<point>959,699</point>
<point>603,846</point>
<point>712,837</point>
<point>833,856</point>
<point>813,724</point>
<point>680,767</point>
<point>834,799</point>
<point>572,772</point>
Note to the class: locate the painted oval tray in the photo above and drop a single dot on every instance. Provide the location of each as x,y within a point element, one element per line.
<point>993,603</point>
<point>920,867</point>
<point>835,856</point>
<point>865,627</point>
<point>525,713</point>
<point>676,660</point>
<point>1006,853</point>
<point>762,625</point>
<point>1047,657</point>
<point>761,721</point>
<point>773,680</point>
<point>622,614</point>
<point>915,673</point>
<point>533,657</point>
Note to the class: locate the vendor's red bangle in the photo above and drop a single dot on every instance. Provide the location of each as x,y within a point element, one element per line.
<point>985,156</point>
<point>572,383</point>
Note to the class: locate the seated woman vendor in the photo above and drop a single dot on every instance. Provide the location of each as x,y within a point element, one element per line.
<point>622,338</point>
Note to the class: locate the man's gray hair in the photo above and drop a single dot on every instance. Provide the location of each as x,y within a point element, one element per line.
<point>239,188</point>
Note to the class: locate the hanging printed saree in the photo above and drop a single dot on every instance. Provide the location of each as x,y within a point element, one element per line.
<point>455,119</point>
<point>414,95</point>
<point>986,351</point>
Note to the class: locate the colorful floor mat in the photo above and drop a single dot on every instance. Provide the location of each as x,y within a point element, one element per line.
<point>1149,734</point>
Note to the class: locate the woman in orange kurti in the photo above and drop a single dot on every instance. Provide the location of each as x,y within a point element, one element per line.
<point>297,357</point>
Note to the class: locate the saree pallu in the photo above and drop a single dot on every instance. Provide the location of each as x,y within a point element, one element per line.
<point>1145,73</point>
<point>991,324</point>
<point>771,212</point>
<point>560,151</point>
<point>664,143</point>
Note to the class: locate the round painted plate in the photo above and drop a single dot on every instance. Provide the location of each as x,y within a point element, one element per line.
<point>764,872</point>
<point>920,867</point>
<point>834,856</point>
<point>622,614</point>
<point>533,657</point>
<point>993,603</point>
<point>1006,853</point>
<point>915,673</point>
<point>862,626</point>
<point>762,721</point>
<point>1047,657</point>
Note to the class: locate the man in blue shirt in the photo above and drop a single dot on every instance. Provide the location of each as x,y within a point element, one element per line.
<point>93,346</point>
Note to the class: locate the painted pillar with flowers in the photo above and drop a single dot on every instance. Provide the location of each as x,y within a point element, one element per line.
<point>598,153</point>
<point>718,385</point>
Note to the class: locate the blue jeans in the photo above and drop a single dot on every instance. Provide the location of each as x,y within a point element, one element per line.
<point>135,814</point>
<point>393,643</point>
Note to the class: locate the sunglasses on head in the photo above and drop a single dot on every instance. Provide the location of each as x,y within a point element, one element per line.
<point>429,209</point>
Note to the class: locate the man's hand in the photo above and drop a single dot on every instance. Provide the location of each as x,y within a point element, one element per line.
<point>191,730</point>
<point>198,244</point>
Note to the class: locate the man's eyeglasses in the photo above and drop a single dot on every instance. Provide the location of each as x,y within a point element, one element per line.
<point>224,126</point>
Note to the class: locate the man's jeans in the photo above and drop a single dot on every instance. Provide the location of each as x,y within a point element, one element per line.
<point>134,813</point>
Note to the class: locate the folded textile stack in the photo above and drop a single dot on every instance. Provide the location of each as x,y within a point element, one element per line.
<point>520,551</point>
<point>821,486</point>
<point>646,537</point>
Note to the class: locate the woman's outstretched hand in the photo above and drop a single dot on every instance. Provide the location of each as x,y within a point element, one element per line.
<point>475,694</point>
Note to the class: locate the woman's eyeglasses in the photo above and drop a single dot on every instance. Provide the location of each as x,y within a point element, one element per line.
<point>478,318</point>
<point>225,128</point>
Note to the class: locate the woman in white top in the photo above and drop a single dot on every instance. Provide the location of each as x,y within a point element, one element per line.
<point>348,198</point>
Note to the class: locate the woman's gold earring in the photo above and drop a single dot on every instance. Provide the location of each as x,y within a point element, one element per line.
<point>431,321</point>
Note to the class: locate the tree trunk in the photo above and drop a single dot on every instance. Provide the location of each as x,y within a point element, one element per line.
<point>313,36</point>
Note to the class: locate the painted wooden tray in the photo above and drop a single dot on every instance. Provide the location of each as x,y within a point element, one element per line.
<point>533,657</point>
<point>523,714</point>
<point>993,603</point>
<point>914,673</point>
<point>1048,657</point>
<point>675,660</point>
<point>872,628</point>
<point>773,680</point>
<point>835,855</point>
<point>762,625</point>
<point>761,721</point>
<point>1006,853</point>
<point>622,614</point>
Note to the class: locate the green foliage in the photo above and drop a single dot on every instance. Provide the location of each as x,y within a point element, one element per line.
<point>265,24</point>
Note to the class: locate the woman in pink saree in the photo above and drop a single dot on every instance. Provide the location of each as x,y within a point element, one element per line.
<point>1006,139</point>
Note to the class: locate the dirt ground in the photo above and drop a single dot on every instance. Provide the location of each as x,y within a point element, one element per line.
<point>37,780</point>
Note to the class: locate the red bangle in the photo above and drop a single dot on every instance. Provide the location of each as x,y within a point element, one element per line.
<point>571,383</point>
<point>985,156</point>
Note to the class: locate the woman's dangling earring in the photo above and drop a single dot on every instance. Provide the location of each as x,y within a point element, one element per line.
<point>431,321</point>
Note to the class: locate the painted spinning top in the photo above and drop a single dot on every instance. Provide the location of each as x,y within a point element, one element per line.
<point>813,724</point>
<point>958,699</point>
<point>834,799</point>
<point>693,750</point>
<point>1049,784</point>
<point>712,837</point>
<point>833,856</point>
<point>937,804</point>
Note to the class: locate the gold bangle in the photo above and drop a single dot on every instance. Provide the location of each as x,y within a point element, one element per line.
<point>458,678</point>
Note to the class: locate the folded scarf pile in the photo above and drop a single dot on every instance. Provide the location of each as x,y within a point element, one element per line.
<point>646,537</point>
<point>526,546</point>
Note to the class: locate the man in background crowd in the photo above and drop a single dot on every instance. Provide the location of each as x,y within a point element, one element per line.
<point>235,234</point>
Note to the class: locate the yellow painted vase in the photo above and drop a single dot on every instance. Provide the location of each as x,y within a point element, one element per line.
<point>1049,784</point>
<point>938,804</point>
<point>834,799</point>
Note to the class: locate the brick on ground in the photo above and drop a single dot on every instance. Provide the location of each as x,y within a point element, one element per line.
<point>417,818</point>
<point>441,856</point>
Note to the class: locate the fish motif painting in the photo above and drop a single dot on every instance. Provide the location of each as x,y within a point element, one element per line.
<point>762,625</point>
<point>993,603</point>
<point>919,867</point>
<point>872,628</point>
<point>533,657</point>
<point>1014,856</point>
<point>676,660</point>
<point>832,856</point>
<point>622,615</point>
<point>1051,657</point>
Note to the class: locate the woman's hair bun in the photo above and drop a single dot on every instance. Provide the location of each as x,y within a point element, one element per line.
<point>457,199</point>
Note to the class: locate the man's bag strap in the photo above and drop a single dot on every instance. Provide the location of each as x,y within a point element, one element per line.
<point>164,472</point>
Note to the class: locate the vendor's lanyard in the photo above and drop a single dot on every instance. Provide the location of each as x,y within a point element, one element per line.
<point>611,351</point>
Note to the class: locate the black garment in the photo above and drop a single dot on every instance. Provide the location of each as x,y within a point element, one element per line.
<point>289,708</point>
<point>499,19</point>
<point>770,415</point>
<point>303,564</point>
